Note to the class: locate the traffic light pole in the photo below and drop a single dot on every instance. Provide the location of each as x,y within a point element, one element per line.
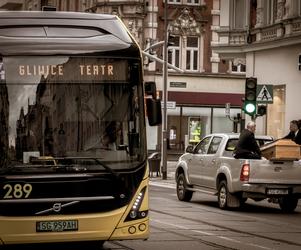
<point>166,65</point>
<point>162,61</point>
<point>164,129</point>
<point>154,45</point>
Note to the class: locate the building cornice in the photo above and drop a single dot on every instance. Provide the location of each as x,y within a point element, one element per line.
<point>256,46</point>
<point>198,75</point>
<point>281,34</point>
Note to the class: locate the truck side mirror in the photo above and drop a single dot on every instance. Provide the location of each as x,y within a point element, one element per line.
<point>189,149</point>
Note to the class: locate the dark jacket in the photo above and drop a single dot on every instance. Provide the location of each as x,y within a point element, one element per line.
<point>247,146</point>
<point>296,138</point>
<point>290,135</point>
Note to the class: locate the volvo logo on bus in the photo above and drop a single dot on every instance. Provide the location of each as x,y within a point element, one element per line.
<point>57,207</point>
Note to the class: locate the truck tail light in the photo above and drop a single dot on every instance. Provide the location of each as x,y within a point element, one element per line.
<point>245,172</point>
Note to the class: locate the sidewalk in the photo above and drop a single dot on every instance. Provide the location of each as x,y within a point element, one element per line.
<point>170,181</point>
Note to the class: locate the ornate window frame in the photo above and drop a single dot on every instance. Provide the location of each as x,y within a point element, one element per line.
<point>185,26</point>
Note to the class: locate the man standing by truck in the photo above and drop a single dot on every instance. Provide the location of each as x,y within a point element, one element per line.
<point>295,132</point>
<point>247,147</point>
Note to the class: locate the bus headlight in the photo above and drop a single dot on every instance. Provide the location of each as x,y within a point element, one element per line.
<point>135,214</point>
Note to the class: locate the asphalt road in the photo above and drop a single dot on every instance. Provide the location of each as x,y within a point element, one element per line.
<point>200,224</point>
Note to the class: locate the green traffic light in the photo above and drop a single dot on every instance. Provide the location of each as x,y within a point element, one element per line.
<point>250,96</point>
<point>250,108</point>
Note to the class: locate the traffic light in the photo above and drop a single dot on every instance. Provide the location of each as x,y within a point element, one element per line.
<point>261,110</point>
<point>250,96</point>
<point>171,40</point>
<point>150,89</point>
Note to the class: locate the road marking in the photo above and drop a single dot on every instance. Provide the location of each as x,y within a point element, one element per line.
<point>202,232</point>
<point>169,224</point>
<point>255,245</point>
<point>164,185</point>
<point>230,239</point>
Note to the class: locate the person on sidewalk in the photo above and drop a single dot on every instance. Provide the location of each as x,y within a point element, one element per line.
<point>247,147</point>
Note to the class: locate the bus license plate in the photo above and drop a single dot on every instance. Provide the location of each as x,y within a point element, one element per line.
<point>278,191</point>
<point>57,226</point>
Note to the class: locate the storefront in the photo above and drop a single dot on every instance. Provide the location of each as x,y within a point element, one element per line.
<point>200,112</point>
<point>187,125</point>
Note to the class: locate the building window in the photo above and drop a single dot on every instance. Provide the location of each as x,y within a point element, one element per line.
<point>271,11</point>
<point>221,123</point>
<point>195,130</point>
<point>253,13</point>
<point>174,52</point>
<point>44,3</point>
<point>192,52</point>
<point>193,2</point>
<point>196,123</point>
<point>174,1</point>
<point>239,68</point>
<point>188,125</point>
<point>238,16</point>
<point>276,112</point>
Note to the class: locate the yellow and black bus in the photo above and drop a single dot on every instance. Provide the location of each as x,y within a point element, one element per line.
<point>73,158</point>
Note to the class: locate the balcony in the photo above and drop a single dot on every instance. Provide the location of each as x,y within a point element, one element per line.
<point>229,37</point>
<point>285,32</point>
<point>288,29</point>
<point>11,4</point>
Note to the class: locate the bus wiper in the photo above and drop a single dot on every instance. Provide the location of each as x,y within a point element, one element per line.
<point>106,167</point>
<point>68,163</point>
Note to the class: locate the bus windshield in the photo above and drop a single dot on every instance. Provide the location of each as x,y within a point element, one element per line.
<point>67,108</point>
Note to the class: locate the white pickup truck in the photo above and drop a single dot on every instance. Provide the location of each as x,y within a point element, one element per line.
<point>211,168</point>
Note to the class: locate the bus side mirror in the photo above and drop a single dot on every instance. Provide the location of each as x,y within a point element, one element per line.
<point>154,112</point>
<point>153,105</point>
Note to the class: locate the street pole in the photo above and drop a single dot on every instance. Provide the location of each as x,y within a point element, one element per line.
<point>164,129</point>
<point>162,61</point>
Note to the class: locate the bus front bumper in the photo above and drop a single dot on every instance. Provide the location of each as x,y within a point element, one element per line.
<point>91,227</point>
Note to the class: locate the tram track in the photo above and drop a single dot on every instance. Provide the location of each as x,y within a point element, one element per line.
<point>277,240</point>
<point>205,242</point>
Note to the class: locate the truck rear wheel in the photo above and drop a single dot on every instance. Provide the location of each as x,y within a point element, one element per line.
<point>225,198</point>
<point>182,192</point>
<point>288,204</point>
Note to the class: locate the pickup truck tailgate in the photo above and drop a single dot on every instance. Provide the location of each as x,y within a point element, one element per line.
<point>275,172</point>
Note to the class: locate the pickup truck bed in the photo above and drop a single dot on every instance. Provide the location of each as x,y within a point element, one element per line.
<point>210,167</point>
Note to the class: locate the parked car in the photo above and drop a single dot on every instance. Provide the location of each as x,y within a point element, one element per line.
<point>210,167</point>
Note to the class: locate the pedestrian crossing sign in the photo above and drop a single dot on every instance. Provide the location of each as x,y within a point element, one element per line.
<point>264,94</point>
